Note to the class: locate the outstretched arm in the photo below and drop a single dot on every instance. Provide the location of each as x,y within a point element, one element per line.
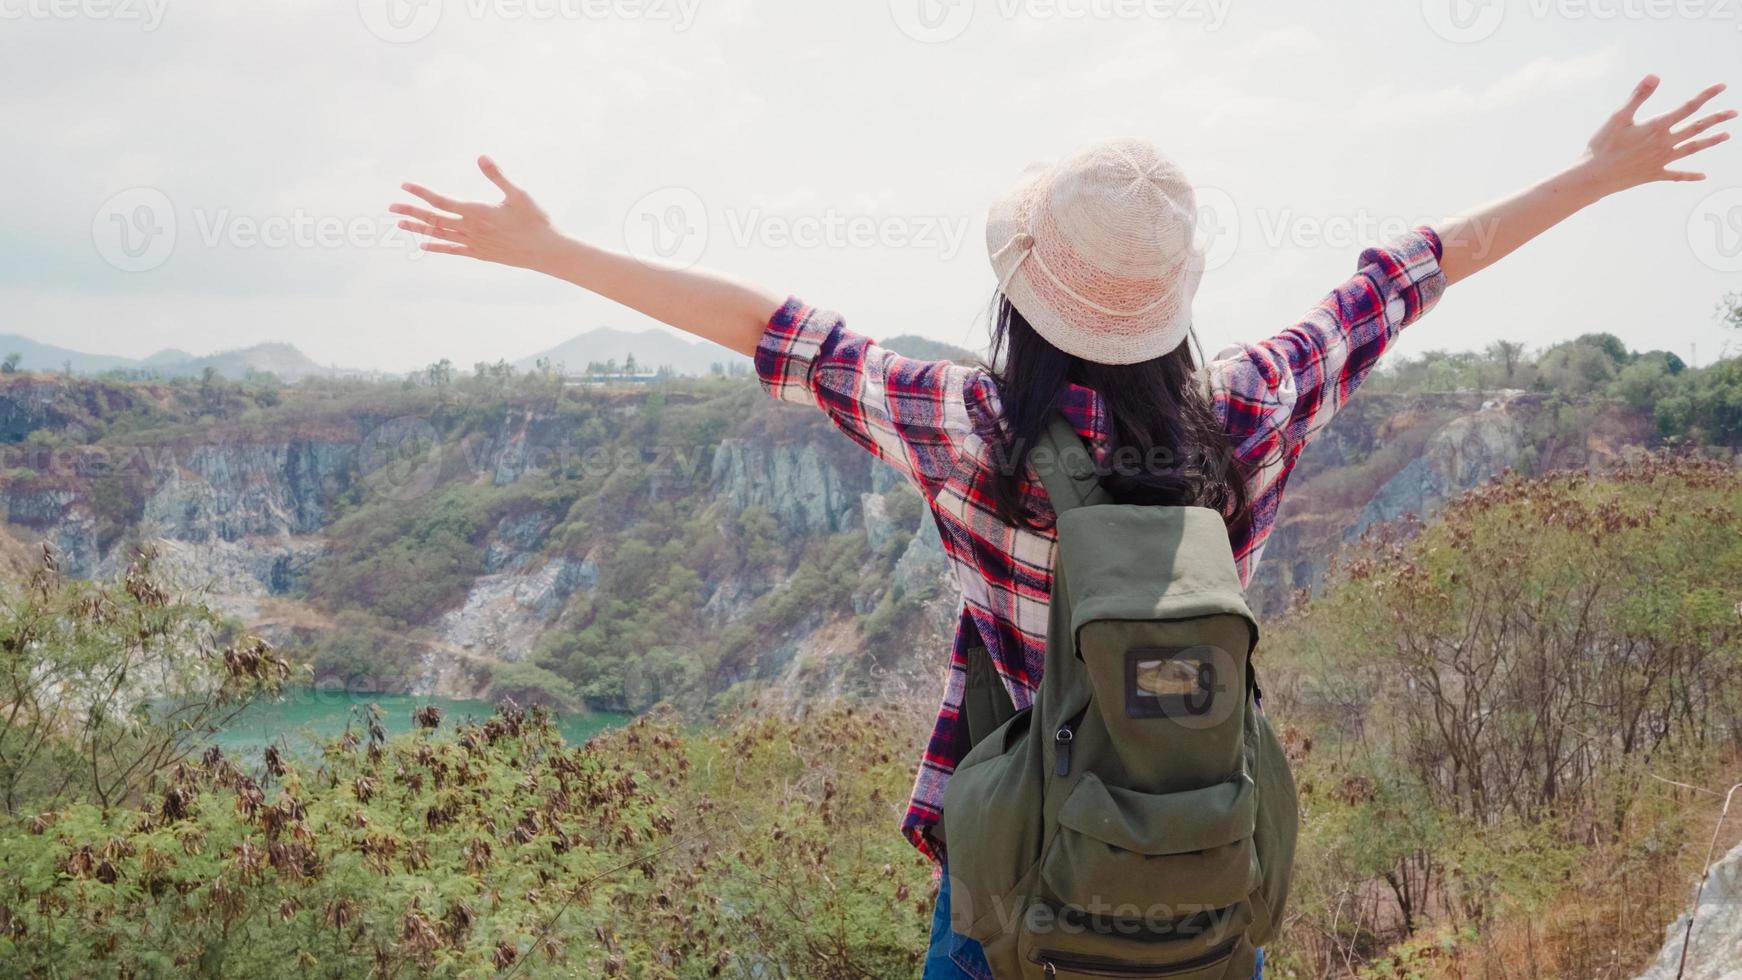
<point>517,232</point>
<point>1626,152</point>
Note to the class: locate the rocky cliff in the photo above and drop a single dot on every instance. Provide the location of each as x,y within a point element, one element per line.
<point>241,498</point>
<point>1714,949</point>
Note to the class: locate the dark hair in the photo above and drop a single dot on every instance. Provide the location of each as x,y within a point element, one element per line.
<point>1164,443</point>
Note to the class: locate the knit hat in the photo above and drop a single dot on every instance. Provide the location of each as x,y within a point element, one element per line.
<point>1099,252</point>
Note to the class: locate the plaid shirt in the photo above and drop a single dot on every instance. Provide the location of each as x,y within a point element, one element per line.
<point>927,419</point>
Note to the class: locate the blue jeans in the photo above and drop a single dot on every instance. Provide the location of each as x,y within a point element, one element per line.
<point>952,956</point>
<point>956,957</point>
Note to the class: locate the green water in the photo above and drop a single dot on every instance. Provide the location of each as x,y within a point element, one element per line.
<point>304,719</point>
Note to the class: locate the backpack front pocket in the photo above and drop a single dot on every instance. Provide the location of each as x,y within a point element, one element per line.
<point>1168,858</point>
<point>992,829</point>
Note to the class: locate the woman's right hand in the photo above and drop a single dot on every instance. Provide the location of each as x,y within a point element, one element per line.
<point>515,231</point>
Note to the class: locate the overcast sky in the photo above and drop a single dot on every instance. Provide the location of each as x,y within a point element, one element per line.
<point>208,174</point>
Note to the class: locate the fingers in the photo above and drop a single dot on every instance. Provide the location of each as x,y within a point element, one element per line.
<point>446,249</point>
<point>1689,107</point>
<point>426,216</point>
<point>1701,126</point>
<point>1680,175</point>
<point>1641,92</point>
<point>494,173</point>
<point>439,200</point>
<point>1689,149</point>
<point>433,231</point>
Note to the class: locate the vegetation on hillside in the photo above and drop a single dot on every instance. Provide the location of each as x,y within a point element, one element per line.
<point>762,848</point>
<point>1486,713</point>
<point>1701,405</point>
<point>1492,744</point>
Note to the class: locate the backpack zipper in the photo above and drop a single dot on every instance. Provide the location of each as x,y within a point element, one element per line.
<point>1062,740</point>
<point>1052,963</point>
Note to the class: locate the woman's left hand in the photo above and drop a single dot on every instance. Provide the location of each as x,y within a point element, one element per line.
<point>1627,151</point>
<point>514,231</point>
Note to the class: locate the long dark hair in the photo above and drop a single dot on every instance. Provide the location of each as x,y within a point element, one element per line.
<point>1164,443</point>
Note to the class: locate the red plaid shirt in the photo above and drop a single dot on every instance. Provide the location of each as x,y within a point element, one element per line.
<point>926,418</point>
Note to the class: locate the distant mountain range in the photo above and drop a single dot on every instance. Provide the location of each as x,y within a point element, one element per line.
<point>283,360</point>
<point>652,350</point>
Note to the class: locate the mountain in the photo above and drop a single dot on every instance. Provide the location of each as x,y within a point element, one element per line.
<point>926,349</point>
<point>652,349</point>
<point>48,357</point>
<point>283,360</point>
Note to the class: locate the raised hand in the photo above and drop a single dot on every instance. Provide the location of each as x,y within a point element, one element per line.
<point>514,231</point>
<point>1629,151</point>
<point>1626,152</point>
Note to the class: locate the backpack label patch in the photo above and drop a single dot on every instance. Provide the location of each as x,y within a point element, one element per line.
<point>1182,683</point>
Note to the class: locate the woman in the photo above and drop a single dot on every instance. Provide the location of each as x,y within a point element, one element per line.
<point>1096,269</point>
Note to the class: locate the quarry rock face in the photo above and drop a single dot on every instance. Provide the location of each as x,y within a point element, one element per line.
<point>1467,452</point>
<point>802,485</point>
<point>231,492</point>
<point>1715,950</point>
<point>245,513</point>
<point>1478,441</point>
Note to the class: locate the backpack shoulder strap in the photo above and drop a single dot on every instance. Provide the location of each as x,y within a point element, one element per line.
<point>1066,468</point>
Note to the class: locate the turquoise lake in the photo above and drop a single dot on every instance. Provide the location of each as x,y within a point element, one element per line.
<point>306,718</point>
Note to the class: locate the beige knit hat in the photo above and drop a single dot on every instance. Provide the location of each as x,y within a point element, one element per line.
<point>1099,252</point>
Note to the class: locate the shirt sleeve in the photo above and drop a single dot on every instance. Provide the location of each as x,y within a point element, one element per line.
<point>912,414</point>
<point>1276,394</point>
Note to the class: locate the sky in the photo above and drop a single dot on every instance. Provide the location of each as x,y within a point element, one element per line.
<point>207,174</point>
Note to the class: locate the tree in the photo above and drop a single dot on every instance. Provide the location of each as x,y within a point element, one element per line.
<point>10,365</point>
<point>107,685</point>
<point>440,374</point>
<point>1508,353</point>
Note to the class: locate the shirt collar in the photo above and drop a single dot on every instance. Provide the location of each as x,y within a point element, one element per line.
<point>1085,411</point>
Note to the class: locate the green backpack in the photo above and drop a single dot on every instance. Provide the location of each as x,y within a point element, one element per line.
<point>1139,819</point>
